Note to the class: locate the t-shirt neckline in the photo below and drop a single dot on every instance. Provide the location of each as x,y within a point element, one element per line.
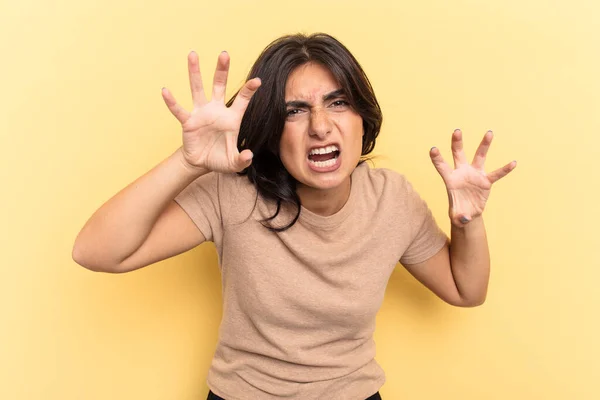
<point>333,220</point>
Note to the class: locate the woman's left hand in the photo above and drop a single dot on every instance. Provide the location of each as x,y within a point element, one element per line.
<point>468,185</point>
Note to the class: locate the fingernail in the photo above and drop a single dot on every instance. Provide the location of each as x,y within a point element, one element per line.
<point>224,51</point>
<point>457,130</point>
<point>432,148</point>
<point>490,131</point>
<point>464,219</point>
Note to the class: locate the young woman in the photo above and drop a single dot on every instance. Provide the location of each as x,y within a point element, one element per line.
<point>307,233</point>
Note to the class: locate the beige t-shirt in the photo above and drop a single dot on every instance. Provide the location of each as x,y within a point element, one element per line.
<point>299,306</point>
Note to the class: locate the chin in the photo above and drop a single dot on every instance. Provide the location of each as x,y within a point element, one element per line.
<point>326,181</point>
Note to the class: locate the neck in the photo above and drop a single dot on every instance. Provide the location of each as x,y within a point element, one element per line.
<point>325,202</point>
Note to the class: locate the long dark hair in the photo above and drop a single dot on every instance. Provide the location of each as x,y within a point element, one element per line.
<point>263,122</point>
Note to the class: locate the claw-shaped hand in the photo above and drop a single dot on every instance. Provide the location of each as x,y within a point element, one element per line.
<point>210,130</point>
<point>468,185</point>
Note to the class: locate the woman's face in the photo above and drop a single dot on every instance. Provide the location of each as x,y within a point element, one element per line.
<point>321,141</point>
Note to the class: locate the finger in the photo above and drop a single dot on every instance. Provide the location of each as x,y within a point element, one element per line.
<point>481,153</point>
<point>220,80</point>
<point>244,159</point>
<point>438,162</point>
<point>242,99</point>
<point>457,148</point>
<point>501,172</point>
<point>179,112</point>
<point>198,95</point>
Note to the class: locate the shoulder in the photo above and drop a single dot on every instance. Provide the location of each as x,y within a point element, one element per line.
<point>230,193</point>
<point>235,188</point>
<point>238,197</point>
<point>219,184</point>
<point>234,183</point>
<point>381,180</point>
<point>389,190</point>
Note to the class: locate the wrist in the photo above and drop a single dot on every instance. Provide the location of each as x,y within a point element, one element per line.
<point>190,170</point>
<point>473,227</point>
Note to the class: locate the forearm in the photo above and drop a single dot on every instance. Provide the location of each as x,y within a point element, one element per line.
<point>122,224</point>
<point>470,261</point>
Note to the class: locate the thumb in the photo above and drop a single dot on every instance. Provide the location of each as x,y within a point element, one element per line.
<point>244,159</point>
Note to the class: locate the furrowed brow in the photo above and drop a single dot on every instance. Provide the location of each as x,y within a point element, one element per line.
<point>303,104</point>
<point>334,94</point>
<point>297,104</point>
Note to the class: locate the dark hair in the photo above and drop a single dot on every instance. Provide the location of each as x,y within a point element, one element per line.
<point>264,119</point>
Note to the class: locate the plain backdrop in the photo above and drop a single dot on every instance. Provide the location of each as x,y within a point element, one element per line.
<point>81,116</point>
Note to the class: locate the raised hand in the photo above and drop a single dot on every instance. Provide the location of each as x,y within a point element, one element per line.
<point>468,185</point>
<point>210,130</point>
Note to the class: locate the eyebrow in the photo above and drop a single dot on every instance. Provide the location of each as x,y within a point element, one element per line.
<point>326,97</point>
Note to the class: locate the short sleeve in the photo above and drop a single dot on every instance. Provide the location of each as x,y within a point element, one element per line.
<point>200,200</point>
<point>427,237</point>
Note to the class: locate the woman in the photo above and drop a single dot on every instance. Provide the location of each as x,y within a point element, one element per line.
<point>307,234</point>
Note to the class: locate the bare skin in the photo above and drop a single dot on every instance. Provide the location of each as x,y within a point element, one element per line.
<point>459,272</point>
<point>142,224</point>
<point>468,185</point>
<point>210,130</point>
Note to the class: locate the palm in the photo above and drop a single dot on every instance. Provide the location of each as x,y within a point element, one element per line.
<point>210,137</point>
<point>468,185</point>
<point>211,129</point>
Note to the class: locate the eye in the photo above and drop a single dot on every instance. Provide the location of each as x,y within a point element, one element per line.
<point>292,112</point>
<point>340,103</point>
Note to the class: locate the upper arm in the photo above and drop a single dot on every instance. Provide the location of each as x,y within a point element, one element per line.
<point>173,233</point>
<point>435,273</point>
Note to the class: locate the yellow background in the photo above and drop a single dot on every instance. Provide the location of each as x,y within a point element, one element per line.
<point>81,116</point>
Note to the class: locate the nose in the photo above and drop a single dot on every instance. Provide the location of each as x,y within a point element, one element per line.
<point>320,123</point>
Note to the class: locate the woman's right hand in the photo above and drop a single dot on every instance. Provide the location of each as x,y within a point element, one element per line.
<point>210,130</point>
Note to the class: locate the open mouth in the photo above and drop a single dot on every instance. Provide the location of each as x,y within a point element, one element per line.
<point>323,157</point>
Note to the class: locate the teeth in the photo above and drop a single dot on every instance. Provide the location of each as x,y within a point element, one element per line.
<point>323,164</point>
<point>324,150</point>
